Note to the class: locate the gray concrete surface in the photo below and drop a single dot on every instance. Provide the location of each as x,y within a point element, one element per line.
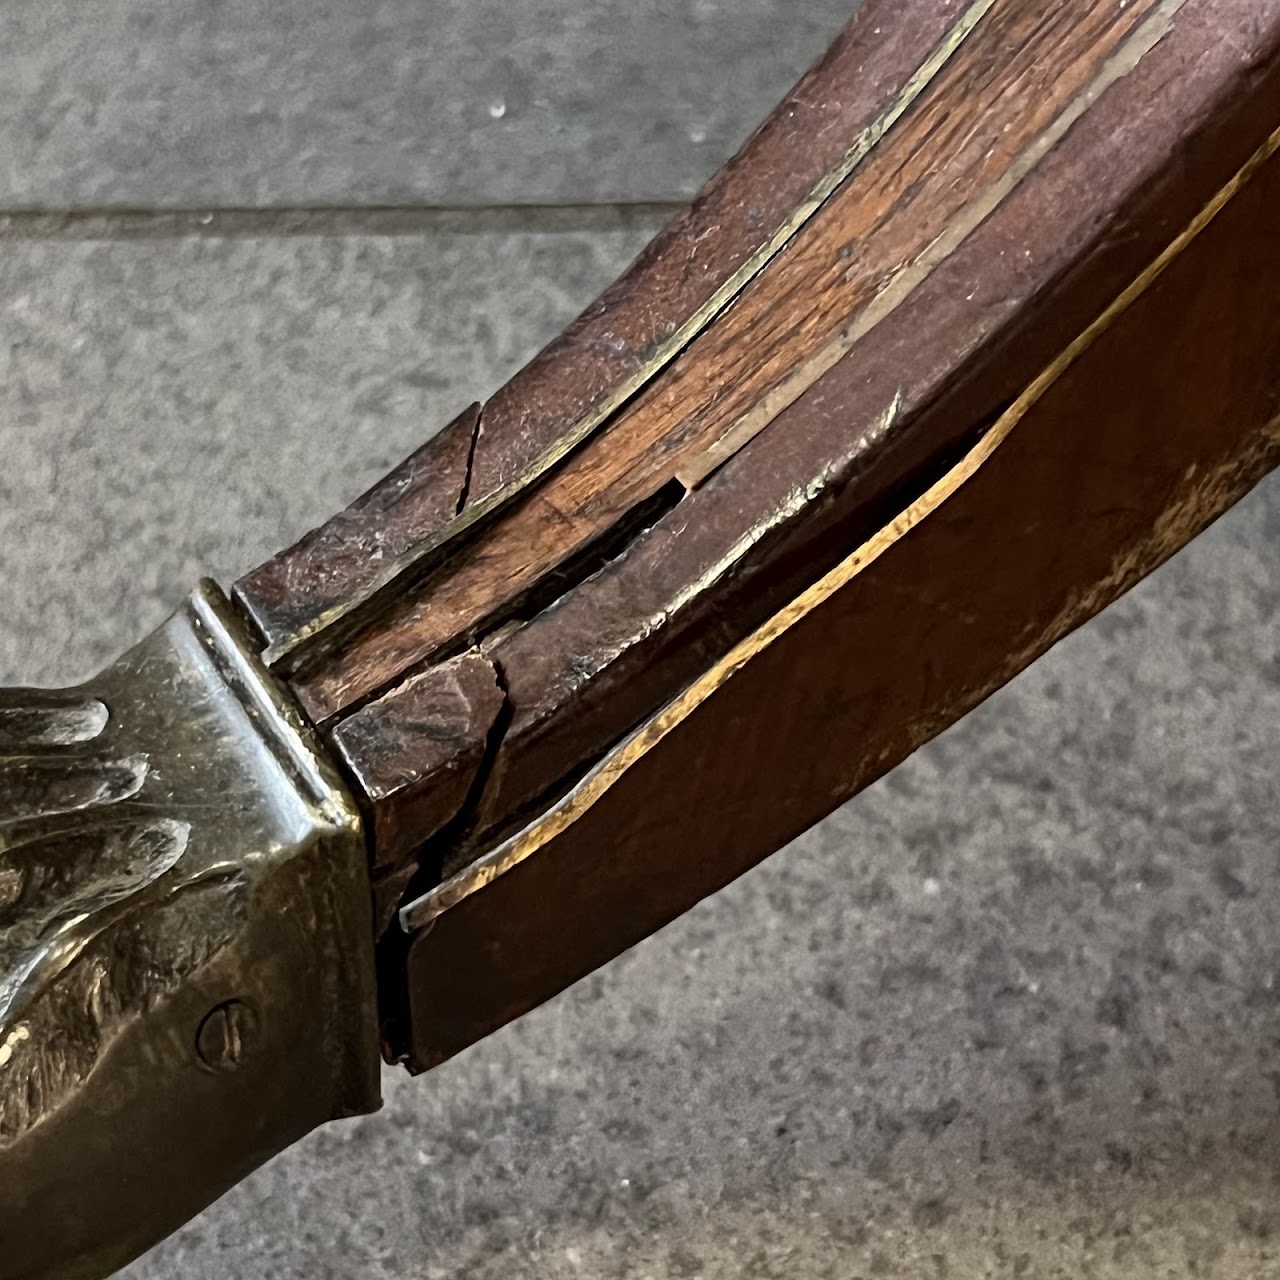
<point>251,102</point>
<point>1014,1012</point>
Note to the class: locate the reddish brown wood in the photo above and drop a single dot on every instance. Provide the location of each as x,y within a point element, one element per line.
<point>416,754</point>
<point>1042,167</point>
<point>1022,65</point>
<point>790,155</point>
<point>583,673</point>
<point>319,572</point>
<point>733,217</point>
<point>1086,218</point>
<point>1149,437</point>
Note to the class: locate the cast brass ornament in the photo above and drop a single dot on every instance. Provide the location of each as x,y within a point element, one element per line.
<point>186,966</point>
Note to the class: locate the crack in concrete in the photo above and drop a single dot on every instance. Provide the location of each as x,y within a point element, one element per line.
<point>147,224</point>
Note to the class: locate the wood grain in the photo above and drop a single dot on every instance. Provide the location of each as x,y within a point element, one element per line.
<point>742,216</point>
<point>886,420</point>
<point>1037,172</point>
<point>983,123</point>
<point>1086,491</point>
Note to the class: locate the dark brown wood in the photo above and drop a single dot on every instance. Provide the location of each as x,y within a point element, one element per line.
<point>302,587</point>
<point>1043,252</point>
<point>925,180</point>
<point>415,758</point>
<point>676,285</point>
<point>1135,449</point>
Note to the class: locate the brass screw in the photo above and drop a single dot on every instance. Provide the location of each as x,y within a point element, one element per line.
<point>226,1035</point>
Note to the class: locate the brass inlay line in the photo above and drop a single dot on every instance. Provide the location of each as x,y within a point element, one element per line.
<point>578,431</point>
<point>597,784</point>
<point>906,281</point>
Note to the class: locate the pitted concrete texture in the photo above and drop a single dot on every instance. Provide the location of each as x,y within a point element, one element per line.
<point>294,102</point>
<point>1014,1012</point>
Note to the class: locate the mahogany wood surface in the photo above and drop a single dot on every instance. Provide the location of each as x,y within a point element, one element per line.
<point>608,352</point>
<point>976,331</point>
<point>1020,65</point>
<point>1089,491</point>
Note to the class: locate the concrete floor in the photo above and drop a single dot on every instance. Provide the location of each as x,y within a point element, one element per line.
<point>1013,1012</point>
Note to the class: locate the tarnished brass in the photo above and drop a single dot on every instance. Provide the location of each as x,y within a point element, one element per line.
<point>186,963</point>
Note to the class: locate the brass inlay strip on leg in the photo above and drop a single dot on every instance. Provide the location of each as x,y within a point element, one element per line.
<point>577,432</point>
<point>902,285</point>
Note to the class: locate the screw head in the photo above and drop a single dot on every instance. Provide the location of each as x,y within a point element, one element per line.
<point>226,1035</point>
